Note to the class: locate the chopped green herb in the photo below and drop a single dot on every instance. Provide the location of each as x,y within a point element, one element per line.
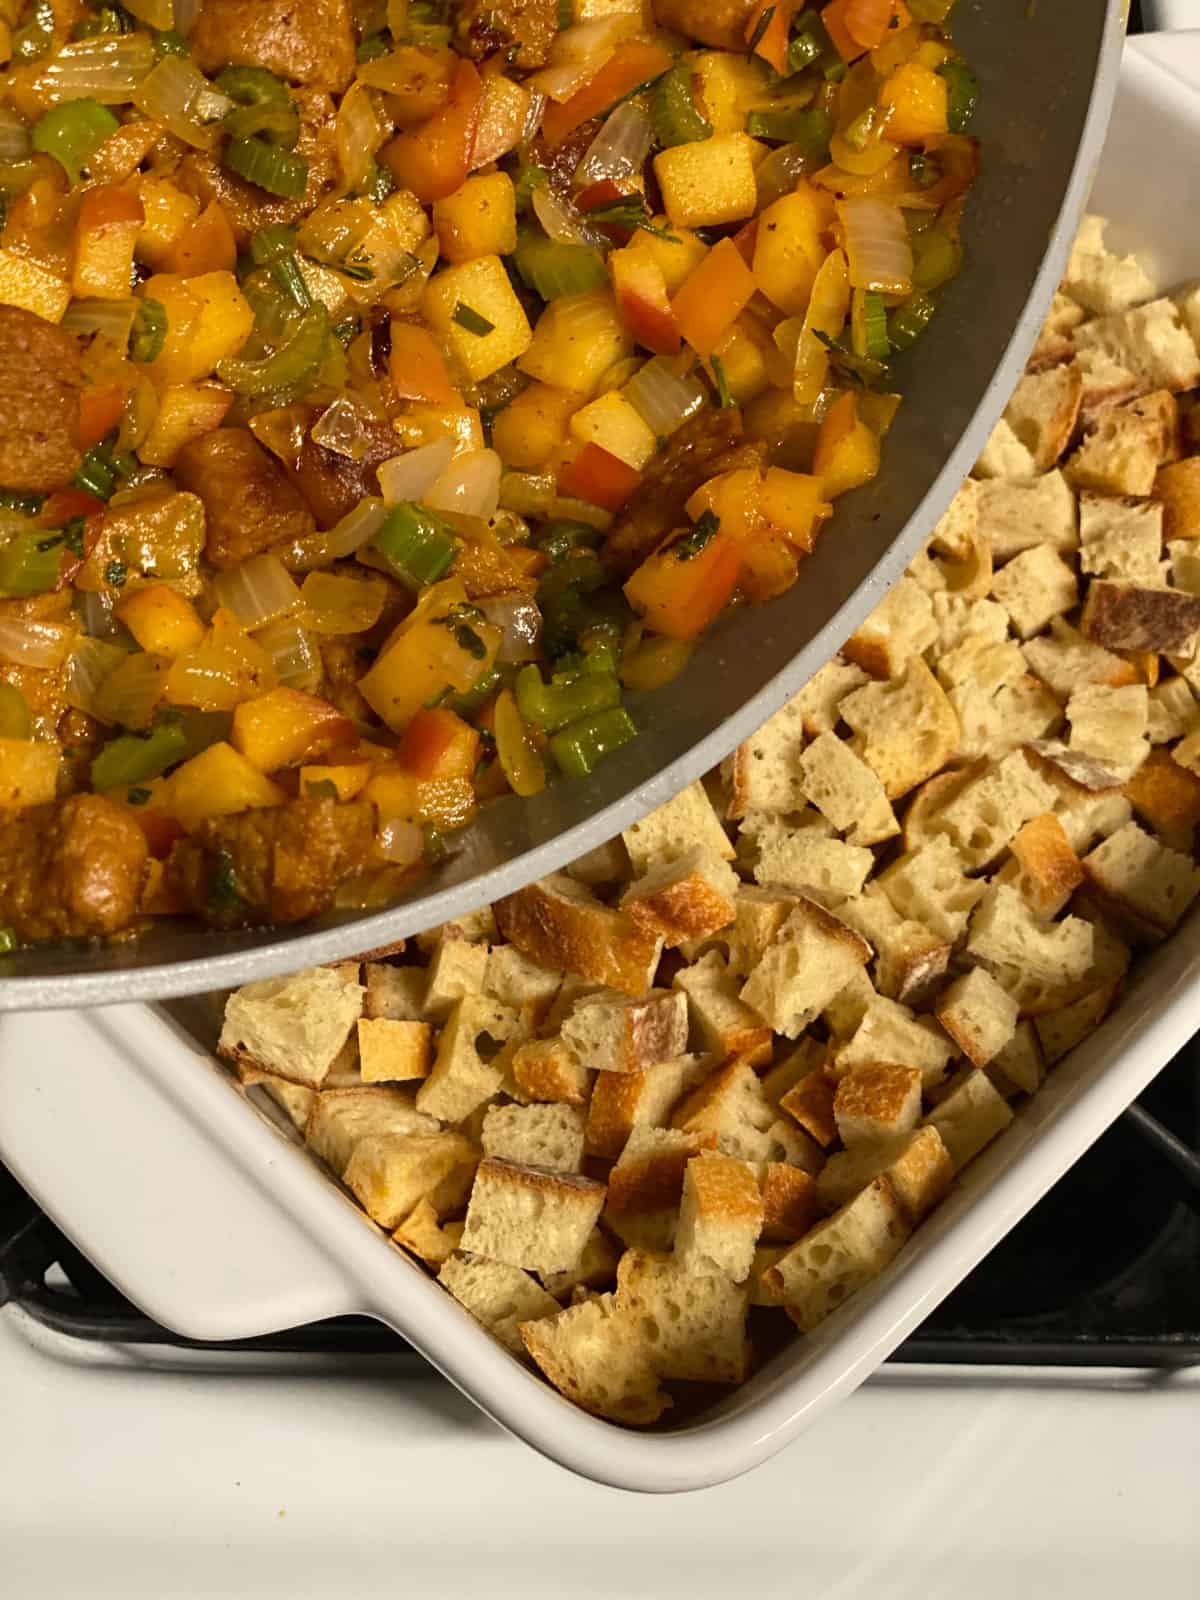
<point>529,178</point>
<point>349,328</point>
<point>8,941</point>
<point>962,93</point>
<point>470,319</point>
<point>98,472</point>
<point>700,536</point>
<point>137,797</point>
<point>760,28</point>
<point>116,573</point>
<point>629,211</point>
<point>149,331</point>
<point>373,46</point>
<point>224,891</point>
<point>72,534</point>
<point>169,43</point>
<point>14,500</point>
<point>378,183</point>
<point>724,393</point>
<point>274,247</point>
<point>322,789</point>
<point>863,370</point>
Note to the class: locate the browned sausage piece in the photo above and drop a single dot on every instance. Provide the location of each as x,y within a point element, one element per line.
<point>71,869</point>
<point>40,380</point>
<point>707,444</point>
<point>276,864</point>
<point>722,23</point>
<point>248,500</point>
<point>332,484</point>
<point>526,27</point>
<point>305,41</point>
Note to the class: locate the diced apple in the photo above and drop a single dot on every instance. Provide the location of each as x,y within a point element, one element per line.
<point>613,423</point>
<point>287,726</point>
<point>475,310</point>
<point>217,783</point>
<point>161,619</point>
<point>642,301</point>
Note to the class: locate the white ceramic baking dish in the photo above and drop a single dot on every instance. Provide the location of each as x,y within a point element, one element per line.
<point>215,1221</point>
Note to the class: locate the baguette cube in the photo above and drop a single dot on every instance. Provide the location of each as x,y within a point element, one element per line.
<point>1060,1031</point>
<point>1017,516</point>
<point>929,886</point>
<point>982,817</point>
<point>1048,870</point>
<point>708,183</point>
<point>557,922</point>
<point>1098,279</point>
<point>530,1218</point>
<point>595,1269</point>
<point>476,927</point>
<point>845,1011</point>
<point>1126,616</point>
<point>801,854</point>
<point>1064,660</point>
<point>763,774</point>
<point>726,1025</point>
<point>549,1136</point>
<point>683,823</point>
<point>759,913</point>
<point>622,1101</point>
<point>457,970</point>
<point>549,1070</point>
<point>596,1355</point>
<point>890,1032</point>
<point>840,1255</point>
<point>464,1073</point>
<point>720,1217</point>
<point>645,1186</point>
<point>730,1105</point>
<point>1167,797</point>
<point>813,958</point>
<point>978,1015</point>
<point>806,1058</point>
<point>292,1027</point>
<point>1148,882</point>
<point>809,1102</point>
<point>906,727</point>
<point>909,957</point>
<point>917,1167</point>
<point>1020,1066</point>
<point>695,1323</point>
<point>498,1296</point>
<point>341,1117</point>
<point>900,627</point>
<point>689,898</point>
<point>1150,341</point>
<point>608,863</point>
<point>1034,587</point>
<point>423,1235</point>
<point>515,981</point>
<point>1126,445</point>
<point>789,1202</point>
<point>1043,411</point>
<point>393,1052</point>
<point>1121,538</point>
<point>1004,457</point>
<point>388,1174</point>
<point>877,1101</point>
<point>970,1117</point>
<point>759,1292</point>
<point>482,286</point>
<point>821,697</point>
<point>395,994</point>
<point>615,1034</point>
<point>1178,489</point>
<point>1025,955</point>
<point>846,791</point>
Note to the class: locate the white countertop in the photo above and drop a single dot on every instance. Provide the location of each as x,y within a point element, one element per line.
<point>189,1486</point>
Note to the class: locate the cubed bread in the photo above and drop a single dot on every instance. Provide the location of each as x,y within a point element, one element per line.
<point>340,1118</point>
<point>476,927</point>
<point>821,697</point>
<point>393,1052</point>
<point>424,1235</point>
<point>558,923</point>
<point>970,1117</point>
<point>1034,587</point>
<point>529,1217</point>
<point>1173,711</point>
<point>876,1101</point>
<point>759,913</point>
<point>549,1136</point>
<point>1015,516</point>
<point>1004,456</point>
<point>960,617</point>
<point>730,1105</point>
<point>840,1255</point>
<point>1043,410</point>
<point>673,829</point>
<point>890,1032</point>
<point>807,1057</point>
<point>611,1033</point>
<point>595,1269</point>
<point>763,773</point>
<point>1020,1066</point>
<point>688,898</point>
<point>978,1015</point>
<point>622,1101</point>
<point>606,864</point>
<point>917,1167</point>
<point>1121,538</point>
<point>720,1217</point>
<point>395,994</point>
<point>846,791</point>
<point>1167,797</point>
<point>596,1356</point>
<point>522,984</point>
<point>292,1027</point>
<point>293,1099</point>
<point>803,855</point>
<point>1126,616</point>
<point>1047,868</point>
<point>1150,340</point>
<point>900,627</point>
<point>498,1296</point>
<point>765,1257</point>
<point>457,969</point>
<point>1142,879</point>
<point>844,1013</point>
<point>909,957</point>
<point>1038,963</point>
<point>809,1102</point>
<point>1177,488</point>
<point>464,1072</point>
<point>906,728</point>
<point>1060,1031</point>
<point>982,817</point>
<point>645,1186</point>
<point>814,956</point>
<point>388,1174</point>
<point>549,1070</point>
<point>789,1143</point>
<point>929,885</point>
<point>1063,659</point>
<point>1111,725</point>
<point>1099,279</point>
<point>1123,446</point>
<point>694,1323</point>
<point>789,1201</point>
<point>725,1025</point>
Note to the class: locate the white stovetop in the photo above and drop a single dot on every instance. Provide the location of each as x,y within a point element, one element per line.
<point>199,1485</point>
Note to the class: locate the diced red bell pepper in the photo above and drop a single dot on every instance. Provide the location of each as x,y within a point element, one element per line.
<point>599,477</point>
<point>438,744</point>
<point>632,64</point>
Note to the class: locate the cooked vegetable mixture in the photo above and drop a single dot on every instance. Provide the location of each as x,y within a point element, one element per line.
<point>388,388</point>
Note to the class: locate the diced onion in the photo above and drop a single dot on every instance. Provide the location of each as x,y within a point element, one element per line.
<point>173,94</point>
<point>521,621</point>
<point>528,493</point>
<point>777,174</point>
<point>132,692</point>
<point>293,652</point>
<point>112,318</point>
<point>470,486</point>
<point>560,222</point>
<point>399,841</point>
<point>662,398</point>
<point>358,133</point>
<point>355,528</point>
<point>91,662</point>
<point>620,148</point>
<point>560,82</point>
<point>334,604</point>
<point>14,137</point>
<point>35,644</point>
<point>108,68</point>
<point>878,250</point>
<point>258,591</point>
<point>409,476</point>
<point>533,116</point>
<point>96,608</point>
<point>340,428</point>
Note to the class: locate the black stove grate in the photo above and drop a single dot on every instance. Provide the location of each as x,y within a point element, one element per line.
<point>1104,1271</point>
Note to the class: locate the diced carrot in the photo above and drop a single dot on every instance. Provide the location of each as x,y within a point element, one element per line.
<point>433,159</point>
<point>418,368</point>
<point>64,504</point>
<point>772,42</point>
<point>679,598</point>
<point>713,296</point>
<point>632,64</point>
<point>100,408</point>
<point>205,244</point>
<point>599,477</point>
<point>438,744</point>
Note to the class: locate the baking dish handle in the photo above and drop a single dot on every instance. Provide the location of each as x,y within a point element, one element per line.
<point>147,1195</point>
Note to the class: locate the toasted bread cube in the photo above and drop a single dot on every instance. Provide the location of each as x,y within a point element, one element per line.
<point>1147,881</point>
<point>464,1073</point>
<point>549,1070</point>
<point>877,1101</point>
<point>840,1255</point>
<point>789,1198</point>
<point>890,1032</point>
<point>1043,410</point>
<point>1178,489</point>
<point>802,854</point>
<point>1019,1067</point>
<point>549,1136</point>
<point>393,1052</point>
<point>689,898</point>
<point>1016,516</point>
<point>388,1174</point>
<point>807,1057</point>
<point>607,863</point>
<point>787,1142</point>
<point>810,1103</point>
<point>341,1117</point>
<point>726,1025</point>
<point>821,697</point>
<point>961,617</point>
<point>1173,711</point>
<point>982,817</point>
<point>978,1015</point>
<point>813,957</point>
<point>1125,616</point>
<point>844,1013</point>
<point>1167,796</point>
<point>476,927</point>
<point>1126,445</point>
<point>645,1186</point>
<point>1048,868</point>
<point>1060,1031</point>
<point>906,727</point>
<point>900,627</point>
<point>595,1269</point>
<point>1021,951</point>
<point>558,923</point>
<point>673,829</point>
<point>530,1218</point>
<point>596,1355</point>
<point>1034,587</point>
<point>395,994</point>
<point>622,1101</point>
<point>1100,280</point>
<point>846,791</point>
<point>929,886</point>
<point>1148,339</point>
<point>720,1217</point>
<point>694,1323</point>
<point>758,1290</point>
<point>759,913</point>
<point>291,1027</point>
<point>1121,538</point>
<point>731,1105</point>
<point>1064,660</point>
<point>916,1166</point>
<point>909,957</point>
<point>763,774</point>
<point>615,1034</point>
<point>970,1117</point>
<point>424,1236</point>
<point>457,970</point>
<point>1004,457</point>
<point>515,981</point>
<point>498,1296</point>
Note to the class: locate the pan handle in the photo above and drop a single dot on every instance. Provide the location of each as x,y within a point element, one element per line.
<point>148,1196</point>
